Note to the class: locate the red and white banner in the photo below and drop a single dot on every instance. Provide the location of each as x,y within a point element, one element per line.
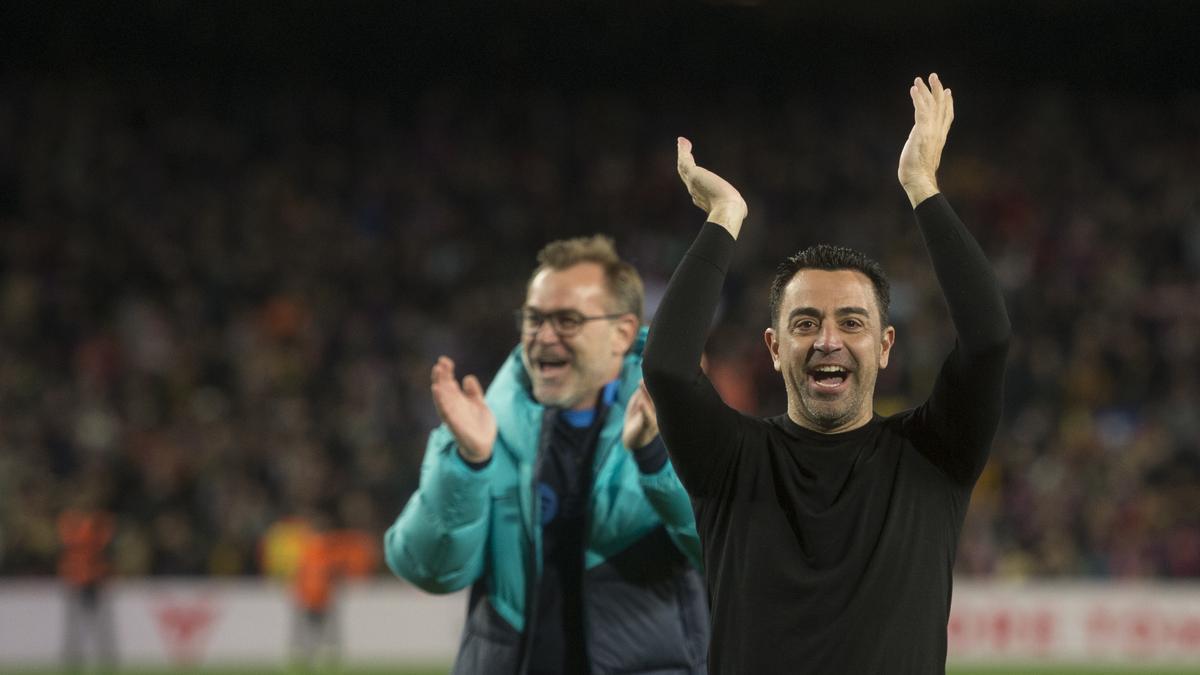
<point>1075,622</point>
<point>209,622</point>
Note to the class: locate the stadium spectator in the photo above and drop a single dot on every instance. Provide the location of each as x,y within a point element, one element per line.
<point>85,533</point>
<point>326,557</point>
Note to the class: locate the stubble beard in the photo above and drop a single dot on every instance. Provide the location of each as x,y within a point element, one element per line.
<point>566,393</point>
<point>825,414</point>
<point>829,415</point>
<point>552,395</point>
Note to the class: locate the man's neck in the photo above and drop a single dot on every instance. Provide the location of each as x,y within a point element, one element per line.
<point>807,423</point>
<point>583,417</point>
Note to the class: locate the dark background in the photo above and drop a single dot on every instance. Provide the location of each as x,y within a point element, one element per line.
<point>235,236</point>
<point>771,46</point>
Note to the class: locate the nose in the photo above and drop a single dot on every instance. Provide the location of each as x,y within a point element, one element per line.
<point>828,339</point>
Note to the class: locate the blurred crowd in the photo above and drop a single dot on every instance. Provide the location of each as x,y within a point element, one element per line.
<point>219,305</point>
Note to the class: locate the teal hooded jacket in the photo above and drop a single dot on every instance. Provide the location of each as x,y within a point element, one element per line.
<point>481,528</point>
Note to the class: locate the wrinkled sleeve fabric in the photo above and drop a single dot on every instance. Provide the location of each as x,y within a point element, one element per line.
<point>667,497</point>
<point>700,430</point>
<point>956,425</point>
<point>438,541</point>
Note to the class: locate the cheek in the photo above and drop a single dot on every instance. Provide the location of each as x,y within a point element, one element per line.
<point>790,361</point>
<point>867,351</point>
<point>615,342</point>
<point>583,352</point>
<point>794,351</point>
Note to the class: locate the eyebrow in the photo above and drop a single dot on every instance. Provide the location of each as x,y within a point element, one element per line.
<point>817,314</point>
<point>547,312</point>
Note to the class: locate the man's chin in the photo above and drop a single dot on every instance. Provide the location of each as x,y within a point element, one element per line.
<point>825,416</point>
<point>555,397</point>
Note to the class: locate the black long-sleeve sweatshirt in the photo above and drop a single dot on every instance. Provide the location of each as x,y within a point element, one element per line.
<point>831,553</point>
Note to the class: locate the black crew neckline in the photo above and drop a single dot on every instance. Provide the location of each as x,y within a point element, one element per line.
<point>789,426</point>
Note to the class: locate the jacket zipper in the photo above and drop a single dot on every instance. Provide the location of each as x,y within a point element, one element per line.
<point>531,566</point>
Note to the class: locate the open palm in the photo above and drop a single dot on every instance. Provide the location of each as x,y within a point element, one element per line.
<point>464,410</point>
<point>933,113</point>
<point>719,199</point>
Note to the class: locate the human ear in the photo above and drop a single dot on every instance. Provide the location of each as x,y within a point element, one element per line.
<point>889,339</point>
<point>772,346</point>
<point>625,333</point>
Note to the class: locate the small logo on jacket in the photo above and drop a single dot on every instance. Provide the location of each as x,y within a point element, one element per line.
<point>549,499</point>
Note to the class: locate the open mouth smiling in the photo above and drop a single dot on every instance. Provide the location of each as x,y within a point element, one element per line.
<point>551,365</point>
<point>828,376</point>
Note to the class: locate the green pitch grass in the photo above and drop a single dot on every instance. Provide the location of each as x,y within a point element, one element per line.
<point>1033,669</point>
<point>1071,670</point>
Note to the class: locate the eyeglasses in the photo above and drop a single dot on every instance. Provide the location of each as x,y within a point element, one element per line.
<point>565,322</point>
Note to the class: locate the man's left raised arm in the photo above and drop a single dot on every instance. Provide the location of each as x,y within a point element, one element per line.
<point>962,414</point>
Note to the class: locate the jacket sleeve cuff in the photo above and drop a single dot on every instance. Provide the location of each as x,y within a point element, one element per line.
<point>651,457</point>
<point>476,466</point>
<point>456,491</point>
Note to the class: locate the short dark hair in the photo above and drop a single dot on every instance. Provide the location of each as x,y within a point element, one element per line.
<point>830,257</point>
<point>624,283</point>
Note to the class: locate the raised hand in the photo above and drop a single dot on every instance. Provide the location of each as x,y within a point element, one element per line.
<point>464,411</point>
<point>720,200</point>
<point>933,112</point>
<point>641,422</point>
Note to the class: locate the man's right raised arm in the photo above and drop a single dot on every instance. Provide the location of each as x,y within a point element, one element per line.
<point>438,541</point>
<point>699,429</point>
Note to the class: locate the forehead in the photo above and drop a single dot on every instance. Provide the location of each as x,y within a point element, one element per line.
<point>580,287</point>
<point>828,290</point>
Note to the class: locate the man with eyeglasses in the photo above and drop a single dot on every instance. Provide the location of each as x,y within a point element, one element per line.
<point>552,495</point>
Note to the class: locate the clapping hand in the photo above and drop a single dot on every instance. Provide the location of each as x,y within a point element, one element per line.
<point>641,422</point>
<point>720,200</point>
<point>933,112</point>
<point>464,411</point>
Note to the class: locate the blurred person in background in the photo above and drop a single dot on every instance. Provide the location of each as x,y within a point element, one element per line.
<point>552,495</point>
<point>327,556</point>
<point>830,532</point>
<point>85,531</point>
<point>315,633</point>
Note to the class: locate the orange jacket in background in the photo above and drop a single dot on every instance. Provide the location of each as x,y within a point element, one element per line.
<point>327,556</point>
<point>313,583</point>
<point>356,552</point>
<point>84,535</point>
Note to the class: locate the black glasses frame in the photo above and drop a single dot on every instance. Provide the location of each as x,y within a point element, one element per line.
<point>564,322</point>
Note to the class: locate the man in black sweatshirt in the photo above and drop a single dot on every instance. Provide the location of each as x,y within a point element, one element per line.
<point>829,533</point>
